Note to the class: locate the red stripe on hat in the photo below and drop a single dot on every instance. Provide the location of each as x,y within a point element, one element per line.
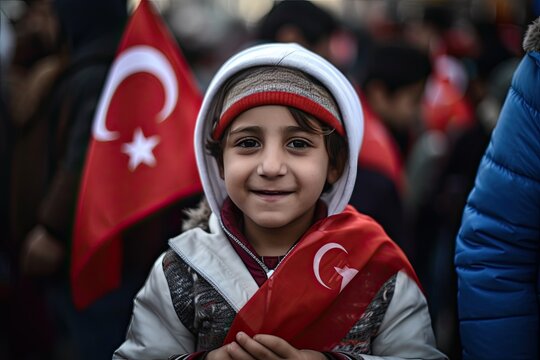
<point>276,98</point>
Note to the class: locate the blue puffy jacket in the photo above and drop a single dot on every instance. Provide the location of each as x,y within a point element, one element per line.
<point>498,246</point>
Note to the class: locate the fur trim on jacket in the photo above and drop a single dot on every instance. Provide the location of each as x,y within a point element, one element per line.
<point>197,217</point>
<point>532,37</point>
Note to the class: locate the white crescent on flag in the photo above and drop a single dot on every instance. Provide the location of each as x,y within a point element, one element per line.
<point>346,273</point>
<point>136,59</point>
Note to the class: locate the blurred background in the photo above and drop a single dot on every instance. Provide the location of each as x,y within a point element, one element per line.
<point>432,76</point>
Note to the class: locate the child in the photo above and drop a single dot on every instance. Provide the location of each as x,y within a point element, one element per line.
<point>281,267</point>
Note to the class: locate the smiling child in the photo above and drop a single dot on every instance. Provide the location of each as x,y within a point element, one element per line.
<point>277,265</point>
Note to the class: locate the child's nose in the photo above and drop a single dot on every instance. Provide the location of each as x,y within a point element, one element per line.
<point>272,164</point>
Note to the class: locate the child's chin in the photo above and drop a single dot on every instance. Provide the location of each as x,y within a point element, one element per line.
<point>271,223</point>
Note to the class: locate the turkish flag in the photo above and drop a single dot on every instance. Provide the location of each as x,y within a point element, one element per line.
<point>444,105</point>
<point>140,156</point>
<point>322,288</point>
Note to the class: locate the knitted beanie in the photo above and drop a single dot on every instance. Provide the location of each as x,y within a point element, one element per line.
<point>275,85</point>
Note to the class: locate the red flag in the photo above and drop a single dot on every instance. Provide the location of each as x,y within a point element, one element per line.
<point>445,106</point>
<point>324,286</point>
<point>140,156</point>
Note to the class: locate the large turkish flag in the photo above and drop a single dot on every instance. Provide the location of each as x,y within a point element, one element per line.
<point>140,156</point>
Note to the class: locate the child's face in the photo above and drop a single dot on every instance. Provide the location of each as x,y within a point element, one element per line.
<point>402,108</point>
<point>274,170</point>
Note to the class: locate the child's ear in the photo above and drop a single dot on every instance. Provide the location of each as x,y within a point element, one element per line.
<point>333,174</point>
<point>337,167</point>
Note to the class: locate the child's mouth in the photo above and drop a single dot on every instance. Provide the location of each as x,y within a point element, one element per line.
<point>272,192</point>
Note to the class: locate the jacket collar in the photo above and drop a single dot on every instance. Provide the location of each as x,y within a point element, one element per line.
<point>532,37</point>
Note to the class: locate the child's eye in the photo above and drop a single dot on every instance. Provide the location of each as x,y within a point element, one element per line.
<point>298,144</point>
<point>247,143</point>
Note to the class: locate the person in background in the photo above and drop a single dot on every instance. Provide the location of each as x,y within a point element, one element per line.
<point>444,168</point>
<point>26,82</point>
<point>498,245</point>
<point>48,161</point>
<point>7,44</point>
<point>48,158</point>
<point>391,92</point>
<point>301,22</point>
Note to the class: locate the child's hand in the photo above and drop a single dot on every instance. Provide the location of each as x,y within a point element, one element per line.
<point>267,347</point>
<point>220,353</point>
<point>232,351</point>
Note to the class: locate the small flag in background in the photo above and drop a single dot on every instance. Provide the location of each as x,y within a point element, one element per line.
<point>140,156</point>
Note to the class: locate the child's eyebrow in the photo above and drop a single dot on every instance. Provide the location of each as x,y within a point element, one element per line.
<point>246,129</point>
<point>259,130</point>
<point>295,130</point>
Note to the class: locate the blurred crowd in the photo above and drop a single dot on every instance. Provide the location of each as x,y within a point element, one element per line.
<point>432,77</point>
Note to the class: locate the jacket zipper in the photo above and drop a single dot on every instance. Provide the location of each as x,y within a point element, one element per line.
<point>267,271</point>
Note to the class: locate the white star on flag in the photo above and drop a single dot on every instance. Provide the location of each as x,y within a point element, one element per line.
<point>347,274</point>
<point>140,149</point>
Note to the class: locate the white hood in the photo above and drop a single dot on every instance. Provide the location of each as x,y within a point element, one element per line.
<point>297,57</point>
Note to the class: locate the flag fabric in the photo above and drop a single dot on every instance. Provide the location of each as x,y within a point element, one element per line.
<point>333,274</point>
<point>140,156</point>
<point>444,105</point>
